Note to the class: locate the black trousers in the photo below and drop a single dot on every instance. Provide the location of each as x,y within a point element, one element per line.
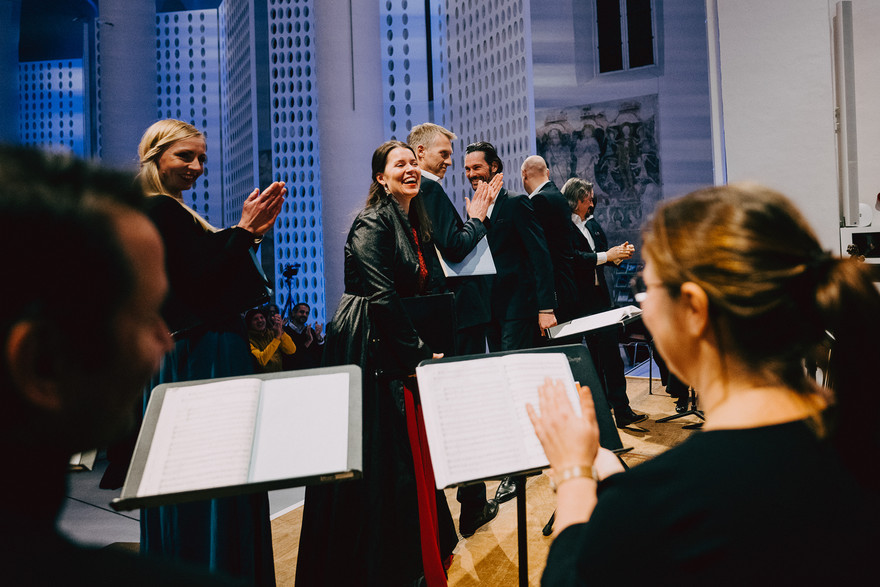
<point>513,335</point>
<point>605,353</point>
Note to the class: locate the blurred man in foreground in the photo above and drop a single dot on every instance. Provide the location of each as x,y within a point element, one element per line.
<point>74,362</point>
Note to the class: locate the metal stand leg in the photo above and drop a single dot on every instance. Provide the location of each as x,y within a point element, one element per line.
<point>693,411</point>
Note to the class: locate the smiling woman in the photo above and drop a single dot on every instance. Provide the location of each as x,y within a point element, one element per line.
<point>208,290</point>
<point>386,258</point>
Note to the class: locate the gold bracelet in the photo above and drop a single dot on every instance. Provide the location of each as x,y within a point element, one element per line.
<point>576,472</point>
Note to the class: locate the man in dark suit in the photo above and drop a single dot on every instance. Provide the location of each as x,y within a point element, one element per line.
<point>552,211</point>
<point>591,255</point>
<point>522,289</point>
<point>455,239</point>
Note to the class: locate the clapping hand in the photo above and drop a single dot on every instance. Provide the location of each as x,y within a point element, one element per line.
<point>277,325</point>
<point>621,252</point>
<point>484,196</point>
<point>261,209</point>
<point>569,440</point>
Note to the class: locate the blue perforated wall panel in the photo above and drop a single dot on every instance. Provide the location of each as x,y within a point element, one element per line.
<point>51,105</point>
<point>188,89</point>
<point>294,128</point>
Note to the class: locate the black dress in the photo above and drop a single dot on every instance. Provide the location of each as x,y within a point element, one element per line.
<point>366,532</point>
<point>762,506</point>
<point>233,535</point>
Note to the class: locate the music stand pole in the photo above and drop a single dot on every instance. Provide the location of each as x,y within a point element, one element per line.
<point>522,541</point>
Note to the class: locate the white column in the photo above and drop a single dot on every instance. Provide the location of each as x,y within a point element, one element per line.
<point>349,120</point>
<point>127,77</point>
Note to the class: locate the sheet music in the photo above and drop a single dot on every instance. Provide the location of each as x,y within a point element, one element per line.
<point>203,437</point>
<point>595,321</point>
<point>475,414</point>
<point>289,417</point>
<point>478,262</point>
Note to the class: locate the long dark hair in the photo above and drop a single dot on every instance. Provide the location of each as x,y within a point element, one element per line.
<point>418,216</point>
<point>777,298</point>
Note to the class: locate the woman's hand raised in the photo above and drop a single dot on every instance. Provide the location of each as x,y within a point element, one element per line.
<point>569,440</point>
<point>261,209</point>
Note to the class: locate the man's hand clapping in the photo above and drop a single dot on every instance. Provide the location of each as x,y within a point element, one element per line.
<point>484,196</point>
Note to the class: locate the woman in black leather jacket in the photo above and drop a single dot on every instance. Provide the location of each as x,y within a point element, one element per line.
<point>367,532</point>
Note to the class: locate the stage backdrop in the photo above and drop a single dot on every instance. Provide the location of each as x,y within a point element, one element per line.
<point>614,146</point>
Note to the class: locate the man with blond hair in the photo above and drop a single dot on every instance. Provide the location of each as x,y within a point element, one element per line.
<point>454,239</point>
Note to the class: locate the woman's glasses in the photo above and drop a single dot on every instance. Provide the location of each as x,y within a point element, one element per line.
<point>639,289</point>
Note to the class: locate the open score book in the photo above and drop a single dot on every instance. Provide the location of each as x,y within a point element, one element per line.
<point>220,437</point>
<point>475,414</point>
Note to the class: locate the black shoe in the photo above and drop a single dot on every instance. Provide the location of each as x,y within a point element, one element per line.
<point>681,405</point>
<point>507,489</point>
<point>628,417</point>
<point>468,525</point>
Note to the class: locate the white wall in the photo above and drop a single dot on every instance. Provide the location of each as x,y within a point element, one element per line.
<point>564,75</point>
<point>866,24</point>
<point>778,105</point>
<point>350,123</point>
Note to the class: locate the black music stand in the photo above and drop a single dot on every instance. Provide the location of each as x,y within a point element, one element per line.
<point>584,373</point>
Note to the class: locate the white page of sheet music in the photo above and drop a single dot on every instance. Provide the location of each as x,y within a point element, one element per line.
<point>203,437</point>
<point>302,428</point>
<point>475,414</point>
<point>594,321</point>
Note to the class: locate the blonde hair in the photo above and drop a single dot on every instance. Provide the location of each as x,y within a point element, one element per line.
<point>156,140</point>
<point>423,135</point>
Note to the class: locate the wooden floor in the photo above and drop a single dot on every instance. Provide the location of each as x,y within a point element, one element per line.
<point>489,557</point>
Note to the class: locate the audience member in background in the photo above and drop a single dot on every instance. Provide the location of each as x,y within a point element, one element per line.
<point>208,271</point>
<point>309,340</point>
<point>269,343</point>
<point>591,253</point>
<point>782,484</point>
<point>73,366</point>
<point>271,310</point>
<point>383,529</point>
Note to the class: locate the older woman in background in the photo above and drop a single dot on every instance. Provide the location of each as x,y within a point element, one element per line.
<point>781,485</point>
<point>207,271</point>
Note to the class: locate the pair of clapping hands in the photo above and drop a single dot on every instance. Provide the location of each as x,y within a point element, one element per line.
<point>620,253</point>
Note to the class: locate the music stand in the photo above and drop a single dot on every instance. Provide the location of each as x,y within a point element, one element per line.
<point>583,372</point>
<point>692,411</point>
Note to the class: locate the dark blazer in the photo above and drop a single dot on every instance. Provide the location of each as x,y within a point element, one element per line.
<point>523,282</point>
<point>595,297</point>
<point>554,214</point>
<point>455,239</point>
